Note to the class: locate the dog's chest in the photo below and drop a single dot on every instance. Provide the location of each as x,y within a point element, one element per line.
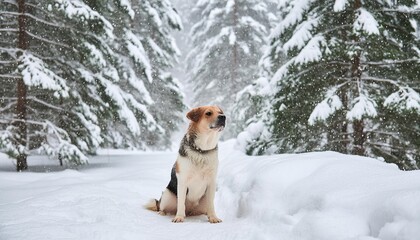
<point>197,182</point>
<point>199,172</point>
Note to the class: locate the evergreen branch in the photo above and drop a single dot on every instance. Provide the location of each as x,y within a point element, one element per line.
<point>391,81</point>
<point>9,76</point>
<point>9,30</point>
<point>44,103</point>
<point>8,106</point>
<point>9,49</point>
<point>390,146</point>
<point>9,2</point>
<point>46,40</point>
<point>329,30</point>
<point>37,19</point>
<point>390,62</point>
<point>15,120</point>
<point>7,62</point>
<point>404,11</point>
<point>387,153</point>
<point>42,20</point>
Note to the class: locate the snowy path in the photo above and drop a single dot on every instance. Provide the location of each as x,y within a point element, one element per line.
<point>103,201</point>
<point>307,196</point>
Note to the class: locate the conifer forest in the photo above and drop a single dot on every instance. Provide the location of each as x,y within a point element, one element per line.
<point>292,76</point>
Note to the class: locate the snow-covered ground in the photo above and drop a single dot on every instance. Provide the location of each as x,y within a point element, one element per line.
<point>311,196</point>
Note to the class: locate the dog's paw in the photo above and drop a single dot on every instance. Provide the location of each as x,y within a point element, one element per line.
<point>178,219</point>
<point>162,213</point>
<point>214,219</point>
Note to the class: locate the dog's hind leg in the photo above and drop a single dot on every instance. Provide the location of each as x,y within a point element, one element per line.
<point>167,203</point>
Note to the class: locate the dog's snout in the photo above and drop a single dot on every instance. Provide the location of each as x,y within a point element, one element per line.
<point>222,117</point>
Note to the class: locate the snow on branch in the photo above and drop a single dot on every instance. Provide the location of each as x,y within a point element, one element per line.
<point>57,144</point>
<point>229,6</point>
<point>405,98</point>
<point>36,73</point>
<point>153,13</point>
<point>366,22</point>
<point>249,21</point>
<point>136,83</point>
<point>7,142</point>
<point>325,108</point>
<point>294,16</point>
<point>312,51</point>
<point>127,5</point>
<point>340,5</point>
<point>301,35</point>
<point>362,106</point>
<point>97,56</point>
<point>136,50</point>
<point>78,9</point>
<point>123,100</point>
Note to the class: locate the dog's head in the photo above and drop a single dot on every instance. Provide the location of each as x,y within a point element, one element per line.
<point>208,118</point>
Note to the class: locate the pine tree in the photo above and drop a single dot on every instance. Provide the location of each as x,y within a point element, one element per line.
<point>227,40</point>
<point>65,80</point>
<point>350,82</point>
<point>150,51</point>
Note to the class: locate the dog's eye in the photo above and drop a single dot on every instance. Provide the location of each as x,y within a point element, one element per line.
<point>208,113</point>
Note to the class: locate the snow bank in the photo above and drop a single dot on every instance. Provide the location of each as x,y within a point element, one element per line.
<point>312,196</point>
<point>324,195</point>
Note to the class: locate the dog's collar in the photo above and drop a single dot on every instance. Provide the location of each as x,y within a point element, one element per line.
<point>197,149</point>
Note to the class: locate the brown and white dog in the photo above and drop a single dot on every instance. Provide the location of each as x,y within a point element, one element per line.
<point>192,187</point>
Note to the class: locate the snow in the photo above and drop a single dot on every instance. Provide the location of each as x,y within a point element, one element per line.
<point>366,22</point>
<point>320,195</point>
<point>325,108</point>
<point>127,5</point>
<point>312,51</point>
<point>301,35</point>
<point>136,50</point>
<point>36,73</point>
<point>340,5</point>
<point>362,106</point>
<point>405,95</point>
<point>77,8</point>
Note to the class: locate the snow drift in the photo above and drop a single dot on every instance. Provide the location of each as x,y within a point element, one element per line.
<point>324,195</point>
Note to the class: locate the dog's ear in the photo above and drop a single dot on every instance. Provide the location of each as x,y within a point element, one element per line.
<point>195,114</point>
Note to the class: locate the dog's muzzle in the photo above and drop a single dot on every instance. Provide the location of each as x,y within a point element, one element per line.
<point>220,123</point>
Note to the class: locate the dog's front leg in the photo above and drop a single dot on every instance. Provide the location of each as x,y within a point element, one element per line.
<point>182,194</point>
<point>211,213</point>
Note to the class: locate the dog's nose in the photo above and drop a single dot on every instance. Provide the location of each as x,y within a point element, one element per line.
<point>221,117</point>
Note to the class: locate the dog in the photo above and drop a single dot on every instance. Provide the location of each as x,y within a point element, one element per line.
<point>192,187</point>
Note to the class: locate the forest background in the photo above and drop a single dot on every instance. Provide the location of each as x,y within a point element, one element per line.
<point>292,75</point>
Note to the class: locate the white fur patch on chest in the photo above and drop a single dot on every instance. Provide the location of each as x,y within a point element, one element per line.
<point>198,170</point>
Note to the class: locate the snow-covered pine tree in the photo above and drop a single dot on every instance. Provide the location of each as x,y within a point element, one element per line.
<point>227,42</point>
<point>147,51</point>
<point>350,82</point>
<point>62,82</point>
<point>163,53</point>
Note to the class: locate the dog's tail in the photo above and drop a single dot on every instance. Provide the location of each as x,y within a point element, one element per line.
<point>152,205</point>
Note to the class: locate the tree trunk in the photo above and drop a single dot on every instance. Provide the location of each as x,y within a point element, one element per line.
<point>359,138</point>
<point>20,123</point>
<point>234,63</point>
<point>359,135</point>
<point>344,140</point>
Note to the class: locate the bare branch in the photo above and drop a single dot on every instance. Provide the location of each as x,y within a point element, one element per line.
<point>391,62</point>
<point>9,30</point>
<point>46,40</point>
<point>391,81</point>
<point>8,106</point>
<point>45,103</point>
<point>9,76</point>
